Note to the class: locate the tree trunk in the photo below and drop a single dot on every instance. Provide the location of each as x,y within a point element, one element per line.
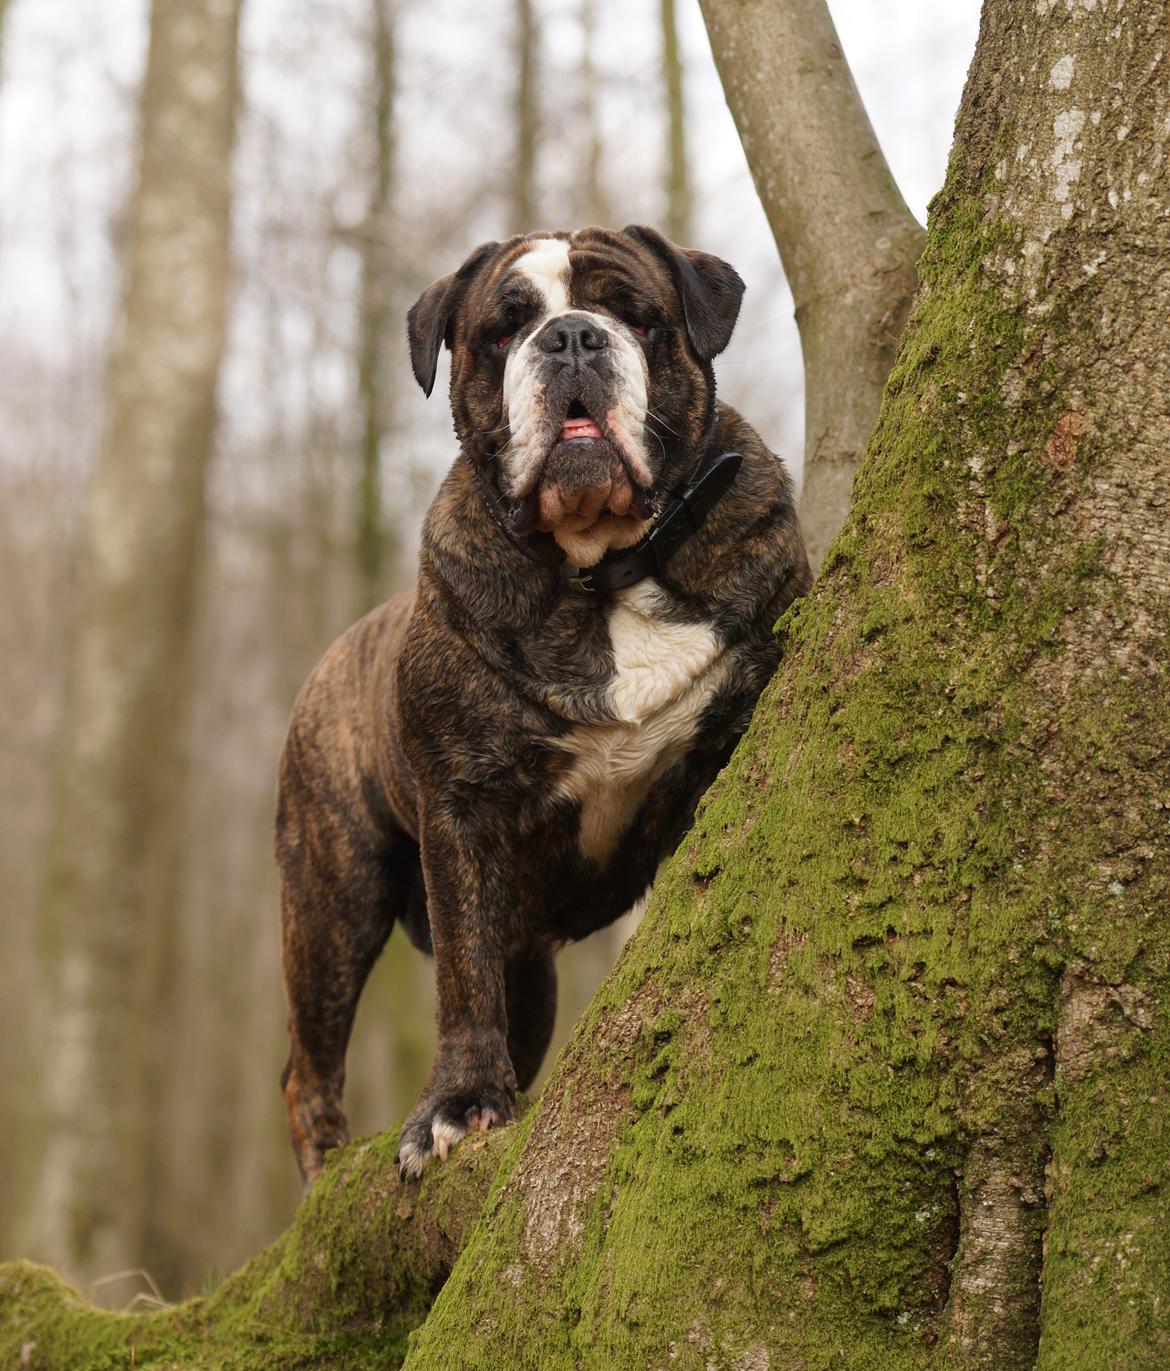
<point>374,540</point>
<point>3,16</point>
<point>846,238</point>
<point>115,839</point>
<point>881,1081</point>
<point>678,183</point>
<point>524,208</point>
<point>593,197</point>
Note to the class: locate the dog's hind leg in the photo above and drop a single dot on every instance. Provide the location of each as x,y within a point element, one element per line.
<point>532,1011</point>
<point>338,907</point>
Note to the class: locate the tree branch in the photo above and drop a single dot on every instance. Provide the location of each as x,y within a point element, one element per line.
<point>848,243</point>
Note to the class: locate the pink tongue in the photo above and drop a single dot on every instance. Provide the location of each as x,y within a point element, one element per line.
<point>579,428</point>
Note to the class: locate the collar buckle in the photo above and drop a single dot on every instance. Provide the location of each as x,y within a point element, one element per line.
<point>580,578</point>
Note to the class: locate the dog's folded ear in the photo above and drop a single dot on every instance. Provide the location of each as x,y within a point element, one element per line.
<point>429,322</point>
<point>711,290</point>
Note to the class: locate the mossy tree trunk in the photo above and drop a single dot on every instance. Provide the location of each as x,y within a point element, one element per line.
<point>882,1079</point>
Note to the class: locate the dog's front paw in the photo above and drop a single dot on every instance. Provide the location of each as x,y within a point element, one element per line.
<point>441,1119</point>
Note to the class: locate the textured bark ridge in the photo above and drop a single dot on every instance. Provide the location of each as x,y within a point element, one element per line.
<point>882,1080</point>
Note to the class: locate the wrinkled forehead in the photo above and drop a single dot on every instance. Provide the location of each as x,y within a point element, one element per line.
<point>563,271</point>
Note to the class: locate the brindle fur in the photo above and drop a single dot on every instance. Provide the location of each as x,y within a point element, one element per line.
<point>419,777</point>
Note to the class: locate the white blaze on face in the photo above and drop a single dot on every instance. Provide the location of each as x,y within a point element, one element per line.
<point>546,264</point>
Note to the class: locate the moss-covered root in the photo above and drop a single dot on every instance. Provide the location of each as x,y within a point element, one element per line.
<point>342,1287</point>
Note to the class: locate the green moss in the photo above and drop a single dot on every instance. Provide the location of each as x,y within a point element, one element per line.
<point>341,1288</point>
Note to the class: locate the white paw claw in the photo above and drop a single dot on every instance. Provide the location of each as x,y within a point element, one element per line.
<point>444,1136</point>
<point>412,1160</point>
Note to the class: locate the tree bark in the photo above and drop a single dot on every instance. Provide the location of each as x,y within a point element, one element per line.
<point>108,908</point>
<point>593,199</point>
<point>678,183</point>
<point>524,212</point>
<point>374,540</point>
<point>3,15</point>
<point>846,238</point>
<point>881,1080</point>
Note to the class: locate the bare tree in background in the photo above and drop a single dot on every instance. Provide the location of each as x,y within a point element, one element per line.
<point>9,1092</point>
<point>393,1039</point>
<point>523,210</point>
<point>595,207</point>
<point>114,850</point>
<point>4,4</point>
<point>679,201</point>
<point>377,316</point>
<point>848,243</point>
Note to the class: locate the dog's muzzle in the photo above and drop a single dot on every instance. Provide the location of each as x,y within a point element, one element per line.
<point>576,423</point>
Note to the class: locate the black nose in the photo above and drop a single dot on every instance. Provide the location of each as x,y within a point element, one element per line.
<point>573,335</point>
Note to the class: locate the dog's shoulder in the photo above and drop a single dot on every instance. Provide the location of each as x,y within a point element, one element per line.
<point>762,492</point>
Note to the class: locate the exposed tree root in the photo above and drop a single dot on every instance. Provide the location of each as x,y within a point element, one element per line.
<point>342,1287</point>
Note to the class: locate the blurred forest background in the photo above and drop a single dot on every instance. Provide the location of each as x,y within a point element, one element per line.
<point>210,464</point>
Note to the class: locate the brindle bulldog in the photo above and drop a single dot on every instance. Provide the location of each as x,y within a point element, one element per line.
<point>501,757</point>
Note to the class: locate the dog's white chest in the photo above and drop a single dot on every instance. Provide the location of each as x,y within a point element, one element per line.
<point>664,675</point>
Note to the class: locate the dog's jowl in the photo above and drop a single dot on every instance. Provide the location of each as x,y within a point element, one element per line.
<point>500,758</point>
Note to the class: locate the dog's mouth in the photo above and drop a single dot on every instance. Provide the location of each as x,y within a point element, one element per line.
<point>578,425</point>
<point>584,478</point>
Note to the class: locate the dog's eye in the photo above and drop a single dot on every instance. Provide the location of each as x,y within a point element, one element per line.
<point>638,321</point>
<point>504,339</point>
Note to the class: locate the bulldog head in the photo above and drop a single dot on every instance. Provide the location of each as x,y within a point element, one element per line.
<point>580,367</point>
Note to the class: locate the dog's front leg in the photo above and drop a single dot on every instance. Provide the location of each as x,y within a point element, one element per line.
<point>472,1084</point>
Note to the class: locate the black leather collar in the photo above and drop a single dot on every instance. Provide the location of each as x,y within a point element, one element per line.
<point>682,515</point>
